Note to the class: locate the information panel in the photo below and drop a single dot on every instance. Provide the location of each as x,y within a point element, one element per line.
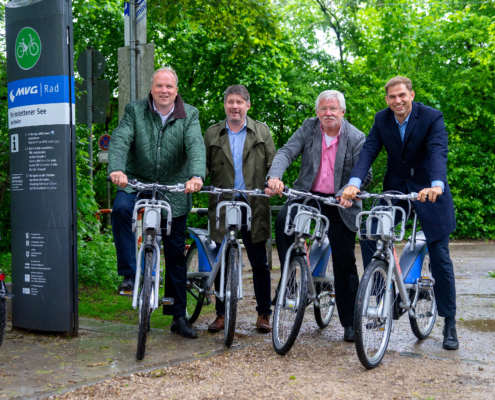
<point>42,164</point>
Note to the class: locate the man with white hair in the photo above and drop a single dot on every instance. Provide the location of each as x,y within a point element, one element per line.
<point>329,147</point>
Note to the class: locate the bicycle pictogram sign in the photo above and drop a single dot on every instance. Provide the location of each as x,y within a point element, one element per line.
<point>103,142</point>
<point>28,48</point>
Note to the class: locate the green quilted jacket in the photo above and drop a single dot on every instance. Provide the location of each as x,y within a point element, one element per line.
<point>145,150</point>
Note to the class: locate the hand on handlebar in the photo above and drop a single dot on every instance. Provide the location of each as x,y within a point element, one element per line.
<point>343,202</point>
<point>275,186</point>
<point>194,185</point>
<point>119,178</point>
<point>350,192</point>
<point>432,194</point>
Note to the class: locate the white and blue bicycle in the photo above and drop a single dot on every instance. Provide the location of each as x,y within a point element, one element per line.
<point>389,288</point>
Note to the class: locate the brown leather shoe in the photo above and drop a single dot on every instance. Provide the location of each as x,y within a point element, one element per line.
<point>218,324</point>
<point>263,323</point>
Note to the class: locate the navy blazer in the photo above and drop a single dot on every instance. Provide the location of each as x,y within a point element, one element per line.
<point>414,163</point>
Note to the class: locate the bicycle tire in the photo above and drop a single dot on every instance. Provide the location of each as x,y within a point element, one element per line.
<point>3,318</point>
<point>20,50</point>
<point>144,305</point>
<point>371,291</point>
<point>426,308</point>
<point>296,291</point>
<point>323,314</point>
<point>32,45</point>
<point>195,298</point>
<point>231,291</point>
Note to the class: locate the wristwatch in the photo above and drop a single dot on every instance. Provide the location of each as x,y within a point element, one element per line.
<point>198,177</point>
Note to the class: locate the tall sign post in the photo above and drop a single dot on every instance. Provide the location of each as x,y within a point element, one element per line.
<point>95,97</point>
<point>137,59</point>
<point>40,75</point>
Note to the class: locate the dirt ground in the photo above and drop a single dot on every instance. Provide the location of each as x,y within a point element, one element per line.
<point>321,365</point>
<point>307,372</point>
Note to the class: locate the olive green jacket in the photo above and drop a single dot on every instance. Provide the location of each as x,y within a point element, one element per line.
<point>257,158</point>
<point>147,151</point>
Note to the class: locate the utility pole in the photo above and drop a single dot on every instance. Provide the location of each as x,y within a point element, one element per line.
<point>132,49</point>
<point>89,88</point>
<point>136,60</point>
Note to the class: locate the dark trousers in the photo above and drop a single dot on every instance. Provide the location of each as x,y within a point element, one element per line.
<point>442,270</point>
<point>342,242</point>
<point>173,249</point>
<point>256,253</point>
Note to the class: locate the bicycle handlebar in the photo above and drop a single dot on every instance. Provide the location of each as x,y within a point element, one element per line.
<point>331,201</point>
<point>218,191</point>
<point>388,196</point>
<point>140,186</point>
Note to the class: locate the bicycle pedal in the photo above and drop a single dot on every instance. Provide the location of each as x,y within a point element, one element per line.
<point>126,293</point>
<point>167,301</point>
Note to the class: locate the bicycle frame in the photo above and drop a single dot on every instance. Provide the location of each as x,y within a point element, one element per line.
<point>233,224</point>
<point>385,235</point>
<point>301,228</point>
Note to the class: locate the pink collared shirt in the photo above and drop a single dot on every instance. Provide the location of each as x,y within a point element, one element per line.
<point>324,182</point>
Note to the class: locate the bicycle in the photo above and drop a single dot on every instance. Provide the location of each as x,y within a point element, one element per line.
<point>146,293</point>
<point>4,296</point>
<point>23,48</point>
<point>305,277</point>
<point>378,303</point>
<point>205,259</point>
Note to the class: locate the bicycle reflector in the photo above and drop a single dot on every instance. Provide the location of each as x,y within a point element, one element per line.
<point>2,277</point>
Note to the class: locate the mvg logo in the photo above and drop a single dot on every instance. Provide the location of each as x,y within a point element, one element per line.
<point>23,91</point>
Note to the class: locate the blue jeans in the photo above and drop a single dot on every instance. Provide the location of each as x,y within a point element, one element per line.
<point>173,249</point>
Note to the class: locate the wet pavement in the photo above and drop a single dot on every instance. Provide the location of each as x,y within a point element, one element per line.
<point>32,365</point>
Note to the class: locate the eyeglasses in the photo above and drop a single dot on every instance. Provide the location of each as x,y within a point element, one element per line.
<point>333,110</point>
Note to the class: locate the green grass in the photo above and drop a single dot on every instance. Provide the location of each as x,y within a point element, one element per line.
<point>106,304</point>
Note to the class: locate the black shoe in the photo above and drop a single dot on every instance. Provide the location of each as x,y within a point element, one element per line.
<point>349,334</point>
<point>127,284</point>
<point>450,341</point>
<point>182,327</point>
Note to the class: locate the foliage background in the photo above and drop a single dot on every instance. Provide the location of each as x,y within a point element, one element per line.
<point>279,50</point>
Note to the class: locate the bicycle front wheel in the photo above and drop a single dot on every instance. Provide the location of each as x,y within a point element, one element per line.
<point>231,290</point>
<point>195,286</point>
<point>426,307</point>
<point>3,318</point>
<point>288,317</point>
<point>145,305</point>
<point>372,332</point>
<point>326,293</point>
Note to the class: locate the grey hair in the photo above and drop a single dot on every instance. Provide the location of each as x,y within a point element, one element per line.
<point>165,69</point>
<point>331,94</point>
<point>237,89</point>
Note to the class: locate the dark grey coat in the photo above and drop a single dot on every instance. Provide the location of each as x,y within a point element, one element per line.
<point>307,141</point>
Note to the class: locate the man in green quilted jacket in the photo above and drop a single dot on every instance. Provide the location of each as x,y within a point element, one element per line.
<point>158,140</point>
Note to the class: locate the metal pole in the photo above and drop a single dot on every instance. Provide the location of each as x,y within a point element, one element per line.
<point>89,88</point>
<point>108,218</point>
<point>132,48</point>
<point>269,245</point>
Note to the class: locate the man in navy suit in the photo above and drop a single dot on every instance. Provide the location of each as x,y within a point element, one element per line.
<point>416,142</point>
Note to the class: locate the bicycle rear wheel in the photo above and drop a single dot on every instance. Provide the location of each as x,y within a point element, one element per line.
<point>324,313</point>
<point>371,332</point>
<point>195,286</point>
<point>145,305</point>
<point>231,290</point>
<point>426,308</point>
<point>289,316</point>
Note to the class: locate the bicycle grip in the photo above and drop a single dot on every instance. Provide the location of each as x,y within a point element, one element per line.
<point>206,188</point>
<point>109,178</point>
